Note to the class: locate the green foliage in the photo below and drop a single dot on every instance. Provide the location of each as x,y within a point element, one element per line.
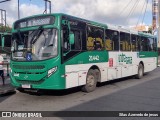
<point>150,29</point>
<point>5,29</point>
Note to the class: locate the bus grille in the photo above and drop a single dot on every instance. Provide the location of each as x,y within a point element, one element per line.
<point>29,67</point>
<point>29,82</point>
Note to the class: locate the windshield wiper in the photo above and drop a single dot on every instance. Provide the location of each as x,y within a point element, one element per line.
<point>36,35</point>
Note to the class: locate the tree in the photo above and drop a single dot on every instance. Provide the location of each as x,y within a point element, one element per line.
<point>5,29</point>
<point>150,29</point>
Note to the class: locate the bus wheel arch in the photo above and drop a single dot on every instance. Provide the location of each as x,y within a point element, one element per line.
<point>92,78</point>
<point>140,72</point>
<point>142,63</point>
<point>97,72</point>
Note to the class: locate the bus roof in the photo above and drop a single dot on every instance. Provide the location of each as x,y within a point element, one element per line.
<point>146,34</point>
<point>106,26</point>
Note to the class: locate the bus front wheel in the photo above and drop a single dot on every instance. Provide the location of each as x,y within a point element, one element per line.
<point>91,82</point>
<point>140,71</point>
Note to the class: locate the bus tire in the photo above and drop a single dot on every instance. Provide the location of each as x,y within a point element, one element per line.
<point>140,71</point>
<point>98,75</point>
<point>91,82</point>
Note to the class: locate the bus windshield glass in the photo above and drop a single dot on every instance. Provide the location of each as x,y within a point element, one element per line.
<point>40,44</point>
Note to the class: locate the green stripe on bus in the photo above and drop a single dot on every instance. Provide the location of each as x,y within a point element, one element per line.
<point>89,57</point>
<point>147,54</point>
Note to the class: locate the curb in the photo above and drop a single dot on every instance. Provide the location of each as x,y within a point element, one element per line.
<point>6,89</point>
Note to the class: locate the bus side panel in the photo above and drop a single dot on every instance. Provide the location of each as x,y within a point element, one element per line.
<point>114,71</point>
<point>124,64</point>
<point>76,74</point>
<point>149,64</point>
<point>130,64</point>
<point>149,59</point>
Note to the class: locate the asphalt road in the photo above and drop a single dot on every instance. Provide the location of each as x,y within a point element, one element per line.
<point>127,94</point>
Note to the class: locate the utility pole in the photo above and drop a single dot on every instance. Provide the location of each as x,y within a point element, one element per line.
<point>3,19</point>
<point>3,22</point>
<point>18,11</point>
<point>158,23</point>
<point>156,19</point>
<point>154,14</point>
<point>46,6</point>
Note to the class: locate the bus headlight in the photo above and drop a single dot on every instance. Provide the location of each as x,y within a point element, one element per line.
<point>51,71</point>
<point>10,70</point>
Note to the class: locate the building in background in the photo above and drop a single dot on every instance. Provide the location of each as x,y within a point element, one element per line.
<point>142,28</point>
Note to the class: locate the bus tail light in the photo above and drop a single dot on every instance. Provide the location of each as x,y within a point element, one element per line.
<point>51,71</point>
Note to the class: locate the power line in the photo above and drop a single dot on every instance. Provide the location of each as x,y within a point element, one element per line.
<point>145,11</point>
<point>125,7</point>
<point>141,12</point>
<point>132,10</point>
<point>4,1</point>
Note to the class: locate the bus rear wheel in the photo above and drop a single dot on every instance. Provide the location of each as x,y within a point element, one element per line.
<point>140,71</point>
<point>91,82</point>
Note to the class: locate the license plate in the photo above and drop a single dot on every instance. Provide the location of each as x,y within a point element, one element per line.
<point>26,86</point>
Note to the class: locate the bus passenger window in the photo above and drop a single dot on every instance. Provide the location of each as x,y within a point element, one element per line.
<point>95,38</point>
<point>134,42</point>
<point>109,44</point>
<point>128,43</point>
<point>125,44</point>
<point>144,44</point>
<point>150,44</point>
<point>138,46</point>
<point>90,43</point>
<point>112,40</point>
<point>122,41</point>
<point>97,45</point>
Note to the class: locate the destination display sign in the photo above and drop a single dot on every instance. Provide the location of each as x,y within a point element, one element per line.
<point>34,21</point>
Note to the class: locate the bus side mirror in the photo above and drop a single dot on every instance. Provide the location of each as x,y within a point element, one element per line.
<point>2,41</point>
<point>71,38</point>
<point>3,44</point>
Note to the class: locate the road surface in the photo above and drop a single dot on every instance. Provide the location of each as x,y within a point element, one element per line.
<point>127,94</point>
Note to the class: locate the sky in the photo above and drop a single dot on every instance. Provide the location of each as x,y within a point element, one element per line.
<point>117,12</point>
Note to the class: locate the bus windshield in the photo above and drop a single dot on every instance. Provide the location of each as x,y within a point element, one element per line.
<point>39,44</point>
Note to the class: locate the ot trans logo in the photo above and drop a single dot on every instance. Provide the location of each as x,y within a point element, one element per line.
<point>122,58</point>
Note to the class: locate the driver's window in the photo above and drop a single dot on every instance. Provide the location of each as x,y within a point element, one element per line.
<point>65,38</point>
<point>77,40</point>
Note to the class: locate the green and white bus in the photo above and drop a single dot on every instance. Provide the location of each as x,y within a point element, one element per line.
<point>58,51</point>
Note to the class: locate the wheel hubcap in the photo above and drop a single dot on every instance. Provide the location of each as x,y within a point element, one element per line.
<point>90,80</point>
<point>140,72</point>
